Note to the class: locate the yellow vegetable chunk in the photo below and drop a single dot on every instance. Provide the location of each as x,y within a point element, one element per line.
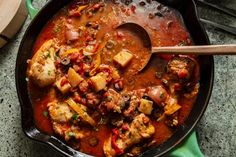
<point>68,52</point>
<point>74,78</point>
<point>145,106</point>
<point>99,81</point>
<point>65,88</point>
<point>123,57</point>
<point>81,110</point>
<point>107,147</point>
<point>115,74</point>
<point>171,108</point>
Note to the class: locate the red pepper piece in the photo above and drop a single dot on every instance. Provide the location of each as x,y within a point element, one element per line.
<point>64,81</point>
<point>113,142</point>
<point>183,73</point>
<point>74,56</point>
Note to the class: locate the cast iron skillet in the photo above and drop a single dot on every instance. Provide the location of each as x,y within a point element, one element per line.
<point>188,11</point>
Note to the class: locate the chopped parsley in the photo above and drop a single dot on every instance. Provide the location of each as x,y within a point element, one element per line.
<point>71,134</point>
<point>45,114</point>
<point>48,55</point>
<point>182,43</point>
<point>161,95</point>
<point>109,98</point>
<point>57,29</point>
<point>75,116</point>
<point>122,104</point>
<point>49,72</point>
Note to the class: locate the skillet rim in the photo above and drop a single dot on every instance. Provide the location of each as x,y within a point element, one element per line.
<point>33,133</point>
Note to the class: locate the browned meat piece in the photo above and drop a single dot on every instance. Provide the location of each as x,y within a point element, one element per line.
<point>135,97</point>
<point>180,69</point>
<point>71,33</point>
<point>113,101</point>
<point>60,112</point>
<point>42,68</point>
<point>69,132</point>
<point>157,94</point>
<point>134,102</point>
<point>93,99</point>
<point>84,86</point>
<point>139,129</point>
<point>61,115</point>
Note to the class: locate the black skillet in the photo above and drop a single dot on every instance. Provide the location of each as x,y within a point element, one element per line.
<point>188,11</point>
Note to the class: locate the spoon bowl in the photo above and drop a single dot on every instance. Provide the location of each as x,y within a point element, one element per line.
<point>175,50</point>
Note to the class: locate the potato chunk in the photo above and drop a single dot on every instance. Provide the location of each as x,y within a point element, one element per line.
<point>99,81</point>
<point>123,57</point>
<point>74,77</point>
<point>63,87</point>
<point>145,106</point>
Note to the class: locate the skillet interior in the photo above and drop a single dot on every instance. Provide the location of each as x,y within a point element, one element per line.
<point>187,10</point>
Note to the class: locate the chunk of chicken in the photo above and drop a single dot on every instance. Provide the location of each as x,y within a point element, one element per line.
<point>157,94</point>
<point>114,101</point>
<point>69,132</point>
<point>61,115</point>
<point>180,69</point>
<point>42,69</point>
<point>135,97</point>
<point>60,112</point>
<point>139,129</point>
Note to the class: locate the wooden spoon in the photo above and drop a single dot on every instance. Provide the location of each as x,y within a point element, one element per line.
<point>183,50</point>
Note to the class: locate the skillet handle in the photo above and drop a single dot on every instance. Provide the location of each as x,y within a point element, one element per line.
<point>32,11</point>
<point>189,148</point>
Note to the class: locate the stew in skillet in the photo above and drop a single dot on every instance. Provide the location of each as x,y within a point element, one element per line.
<point>84,82</point>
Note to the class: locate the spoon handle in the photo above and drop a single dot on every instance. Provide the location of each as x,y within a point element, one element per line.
<point>197,50</point>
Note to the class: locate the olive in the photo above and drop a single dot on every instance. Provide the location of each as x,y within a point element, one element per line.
<point>158,14</point>
<point>65,61</point>
<point>158,75</point>
<point>119,85</point>
<point>88,59</point>
<point>110,44</point>
<point>86,73</point>
<point>127,2</point>
<point>146,97</point>
<point>159,6</point>
<point>126,97</point>
<point>93,141</point>
<point>164,82</point>
<point>151,16</point>
<point>95,26</point>
<point>88,24</point>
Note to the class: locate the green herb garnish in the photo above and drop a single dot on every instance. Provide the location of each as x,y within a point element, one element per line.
<point>109,98</point>
<point>45,114</point>
<point>71,134</point>
<point>161,95</point>
<point>75,116</point>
